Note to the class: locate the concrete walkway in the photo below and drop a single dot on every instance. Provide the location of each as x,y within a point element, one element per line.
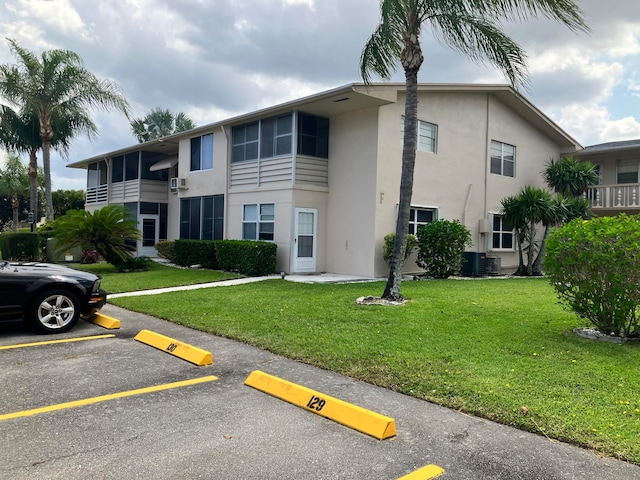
<point>319,278</point>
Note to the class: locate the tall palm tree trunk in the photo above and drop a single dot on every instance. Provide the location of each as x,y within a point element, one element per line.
<point>15,206</point>
<point>33,184</point>
<point>392,289</point>
<point>46,164</point>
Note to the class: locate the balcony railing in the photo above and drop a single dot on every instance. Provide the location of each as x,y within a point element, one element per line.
<point>97,194</point>
<point>615,196</point>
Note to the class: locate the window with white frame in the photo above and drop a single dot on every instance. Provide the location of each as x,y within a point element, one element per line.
<point>202,152</point>
<point>258,221</point>
<point>502,234</point>
<point>419,216</point>
<point>627,171</point>
<point>503,159</point>
<point>427,136</point>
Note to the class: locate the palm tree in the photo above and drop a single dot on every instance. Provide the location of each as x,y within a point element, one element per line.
<point>56,85</point>
<point>160,123</point>
<point>525,211</point>
<point>570,176</point>
<point>20,133</point>
<point>465,26</point>
<point>14,183</point>
<point>108,231</point>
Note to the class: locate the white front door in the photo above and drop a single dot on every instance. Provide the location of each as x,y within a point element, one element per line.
<point>305,240</point>
<point>149,225</point>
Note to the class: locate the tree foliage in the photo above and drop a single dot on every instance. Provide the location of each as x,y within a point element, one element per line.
<point>65,200</point>
<point>14,186</point>
<point>56,86</point>
<point>111,231</point>
<point>467,26</point>
<point>441,245</point>
<point>159,123</point>
<point>594,267</point>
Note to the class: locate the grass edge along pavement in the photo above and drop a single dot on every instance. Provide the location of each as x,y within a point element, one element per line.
<point>499,349</point>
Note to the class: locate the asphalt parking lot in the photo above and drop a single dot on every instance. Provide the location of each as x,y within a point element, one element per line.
<point>219,428</point>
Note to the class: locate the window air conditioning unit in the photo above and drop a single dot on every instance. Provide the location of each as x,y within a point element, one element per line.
<point>178,183</point>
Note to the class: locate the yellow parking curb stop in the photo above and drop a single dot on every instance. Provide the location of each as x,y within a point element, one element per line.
<point>365,421</point>
<point>104,321</point>
<point>424,473</point>
<point>174,347</point>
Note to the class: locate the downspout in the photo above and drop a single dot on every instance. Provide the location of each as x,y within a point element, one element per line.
<point>294,159</point>
<point>226,183</point>
<point>487,159</point>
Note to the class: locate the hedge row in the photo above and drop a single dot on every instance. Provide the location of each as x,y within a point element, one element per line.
<point>243,256</point>
<point>20,246</point>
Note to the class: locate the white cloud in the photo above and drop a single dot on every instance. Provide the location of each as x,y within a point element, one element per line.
<point>592,124</point>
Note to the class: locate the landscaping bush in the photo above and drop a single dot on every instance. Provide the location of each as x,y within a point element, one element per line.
<point>195,252</point>
<point>166,249</point>
<point>246,257</point>
<point>594,267</point>
<point>387,252</point>
<point>441,245</point>
<point>20,246</point>
<point>134,264</point>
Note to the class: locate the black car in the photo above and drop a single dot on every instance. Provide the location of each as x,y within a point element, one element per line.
<point>49,297</point>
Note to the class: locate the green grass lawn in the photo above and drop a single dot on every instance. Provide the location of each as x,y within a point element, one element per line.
<point>158,276</point>
<point>488,348</point>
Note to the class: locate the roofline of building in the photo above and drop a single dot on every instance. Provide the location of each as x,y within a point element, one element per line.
<point>381,93</point>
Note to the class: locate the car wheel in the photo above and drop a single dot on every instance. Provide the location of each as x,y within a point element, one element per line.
<point>54,311</point>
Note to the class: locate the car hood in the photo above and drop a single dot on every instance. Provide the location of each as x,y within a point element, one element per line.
<point>37,269</point>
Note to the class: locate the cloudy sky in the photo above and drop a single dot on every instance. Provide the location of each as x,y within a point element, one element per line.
<point>213,59</point>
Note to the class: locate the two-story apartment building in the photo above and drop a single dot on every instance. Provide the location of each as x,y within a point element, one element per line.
<point>320,176</point>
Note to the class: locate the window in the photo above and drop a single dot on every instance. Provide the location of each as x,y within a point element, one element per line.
<point>96,174</point>
<point>245,142</point>
<point>117,169</point>
<point>503,159</point>
<point>131,166</point>
<point>427,135</point>
<point>313,135</point>
<point>419,217</point>
<point>502,234</point>
<point>258,221</point>
<point>628,171</point>
<point>202,218</point>
<point>275,136</point>
<point>202,152</point>
<point>148,160</point>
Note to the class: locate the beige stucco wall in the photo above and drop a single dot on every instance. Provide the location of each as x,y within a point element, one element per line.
<point>351,225</point>
<point>456,179</point>
<point>200,183</point>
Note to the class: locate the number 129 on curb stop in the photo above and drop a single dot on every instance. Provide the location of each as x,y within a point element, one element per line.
<point>316,403</point>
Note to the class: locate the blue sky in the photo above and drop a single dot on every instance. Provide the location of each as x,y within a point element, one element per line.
<point>218,58</point>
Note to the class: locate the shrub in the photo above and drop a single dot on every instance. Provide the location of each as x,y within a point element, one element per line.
<point>134,264</point>
<point>89,256</point>
<point>166,249</point>
<point>387,252</point>
<point>246,257</point>
<point>20,246</point>
<point>441,245</point>
<point>594,267</point>
<point>195,252</point>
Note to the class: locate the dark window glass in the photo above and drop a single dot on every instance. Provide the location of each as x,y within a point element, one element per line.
<point>147,160</point>
<point>207,218</point>
<point>313,135</point>
<point>131,161</point>
<point>148,232</point>
<point>194,229</point>
<point>195,153</point>
<point>149,208</point>
<point>164,217</point>
<point>117,169</point>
